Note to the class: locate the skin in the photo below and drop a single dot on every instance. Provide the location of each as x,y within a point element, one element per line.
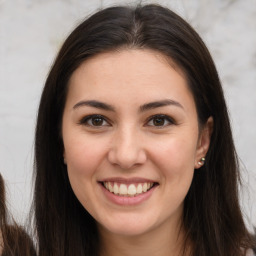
<point>130,142</point>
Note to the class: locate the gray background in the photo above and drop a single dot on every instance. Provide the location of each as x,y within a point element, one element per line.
<point>31,32</point>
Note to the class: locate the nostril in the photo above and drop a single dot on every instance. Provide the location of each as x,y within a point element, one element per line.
<point>127,158</point>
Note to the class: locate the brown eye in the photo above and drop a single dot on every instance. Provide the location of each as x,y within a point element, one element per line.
<point>97,121</point>
<point>160,121</point>
<point>94,121</point>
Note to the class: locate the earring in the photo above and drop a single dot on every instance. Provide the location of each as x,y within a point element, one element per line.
<point>202,161</point>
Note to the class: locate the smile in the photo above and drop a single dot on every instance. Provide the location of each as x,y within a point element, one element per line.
<point>128,190</point>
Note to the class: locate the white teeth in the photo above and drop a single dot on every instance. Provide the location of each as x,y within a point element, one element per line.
<point>132,190</point>
<point>123,189</point>
<point>106,184</point>
<point>116,189</point>
<point>127,190</point>
<point>139,189</point>
<point>144,187</point>
<point>110,187</point>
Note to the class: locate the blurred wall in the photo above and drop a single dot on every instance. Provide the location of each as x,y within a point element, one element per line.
<point>31,32</point>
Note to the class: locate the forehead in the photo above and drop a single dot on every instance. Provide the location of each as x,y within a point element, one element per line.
<point>142,60</point>
<point>130,72</point>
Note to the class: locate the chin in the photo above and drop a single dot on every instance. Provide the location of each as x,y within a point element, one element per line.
<point>129,232</point>
<point>128,227</point>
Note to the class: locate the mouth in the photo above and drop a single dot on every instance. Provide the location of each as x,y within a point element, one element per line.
<point>128,189</point>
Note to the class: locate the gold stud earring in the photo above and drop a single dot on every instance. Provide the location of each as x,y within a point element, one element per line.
<point>202,161</point>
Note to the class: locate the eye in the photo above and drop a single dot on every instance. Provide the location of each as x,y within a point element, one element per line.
<point>160,121</point>
<point>94,121</point>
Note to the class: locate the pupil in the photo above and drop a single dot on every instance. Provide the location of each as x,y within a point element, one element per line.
<point>97,121</point>
<point>158,121</point>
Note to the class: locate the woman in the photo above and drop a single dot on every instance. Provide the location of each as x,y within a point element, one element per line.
<point>134,153</point>
<point>13,239</point>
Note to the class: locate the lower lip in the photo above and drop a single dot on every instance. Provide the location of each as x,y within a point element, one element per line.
<point>127,200</point>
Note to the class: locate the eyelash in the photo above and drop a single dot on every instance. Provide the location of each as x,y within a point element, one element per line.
<point>167,121</point>
<point>165,118</point>
<point>87,119</point>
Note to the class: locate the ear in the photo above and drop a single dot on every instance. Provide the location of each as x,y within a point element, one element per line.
<point>204,141</point>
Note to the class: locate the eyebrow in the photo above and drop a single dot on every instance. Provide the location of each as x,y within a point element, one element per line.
<point>143,108</point>
<point>95,104</point>
<point>158,104</point>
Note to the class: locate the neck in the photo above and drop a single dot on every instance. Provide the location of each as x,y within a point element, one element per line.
<point>164,242</point>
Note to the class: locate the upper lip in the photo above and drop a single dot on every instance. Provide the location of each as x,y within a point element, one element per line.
<point>128,180</point>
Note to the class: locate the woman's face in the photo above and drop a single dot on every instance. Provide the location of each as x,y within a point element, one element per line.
<point>131,140</point>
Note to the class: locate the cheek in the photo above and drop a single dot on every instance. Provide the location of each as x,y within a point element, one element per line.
<point>175,157</point>
<point>83,160</point>
<point>83,156</point>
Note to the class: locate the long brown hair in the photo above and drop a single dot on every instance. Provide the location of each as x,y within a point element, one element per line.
<point>212,216</point>
<point>14,240</point>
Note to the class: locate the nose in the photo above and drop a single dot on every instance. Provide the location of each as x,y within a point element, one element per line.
<point>127,149</point>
